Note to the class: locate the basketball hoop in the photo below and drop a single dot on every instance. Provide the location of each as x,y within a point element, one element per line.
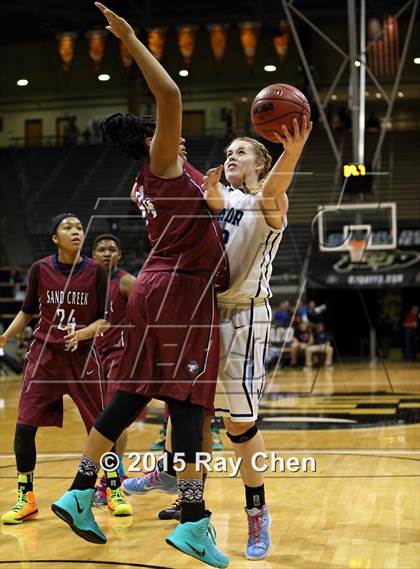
<point>357,248</point>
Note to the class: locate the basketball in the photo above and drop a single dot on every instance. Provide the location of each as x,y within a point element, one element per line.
<point>276,105</point>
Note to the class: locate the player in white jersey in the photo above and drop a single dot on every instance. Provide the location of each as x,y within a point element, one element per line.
<point>253,216</point>
<point>252,211</point>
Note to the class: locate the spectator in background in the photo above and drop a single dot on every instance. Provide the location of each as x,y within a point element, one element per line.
<point>315,312</point>
<point>384,332</point>
<point>14,276</point>
<point>226,117</point>
<point>282,315</point>
<point>410,330</point>
<point>71,131</point>
<point>302,311</point>
<point>18,293</point>
<point>321,345</point>
<point>303,338</point>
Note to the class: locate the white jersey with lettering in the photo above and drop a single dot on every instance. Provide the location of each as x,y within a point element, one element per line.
<point>244,311</point>
<point>251,246</point>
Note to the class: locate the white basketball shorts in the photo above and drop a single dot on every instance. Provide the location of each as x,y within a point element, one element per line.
<point>244,335</point>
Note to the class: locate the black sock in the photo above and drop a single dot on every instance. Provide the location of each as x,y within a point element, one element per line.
<point>86,475</point>
<point>112,479</point>
<point>192,511</point>
<point>170,462</point>
<point>192,503</point>
<point>25,482</point>
<point>255,497</point>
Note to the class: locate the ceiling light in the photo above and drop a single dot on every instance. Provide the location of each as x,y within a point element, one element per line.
<point>333,97</point>
<point>417,60</point>
<point>378,95</point>
<point>400,94</point>
<point>104,77</point>
<point>357,63</point>
<point>270,68</point>
<point>22,82</point>
<point>184,73</point>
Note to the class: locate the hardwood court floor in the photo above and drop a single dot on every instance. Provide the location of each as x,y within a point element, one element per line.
<point>359,510</point>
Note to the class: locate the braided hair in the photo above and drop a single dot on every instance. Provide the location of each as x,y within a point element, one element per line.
<point>128,133</point>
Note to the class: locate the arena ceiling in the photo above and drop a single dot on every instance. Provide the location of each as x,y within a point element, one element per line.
<point>35,20</point>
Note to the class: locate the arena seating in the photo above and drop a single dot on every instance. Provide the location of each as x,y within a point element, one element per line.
<point>81,174</point>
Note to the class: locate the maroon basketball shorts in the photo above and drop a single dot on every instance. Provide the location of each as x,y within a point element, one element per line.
<point>108,362</point>
<point>50,372</point>
<point>172,339</point>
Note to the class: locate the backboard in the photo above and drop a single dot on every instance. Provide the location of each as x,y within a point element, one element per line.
<point>374,222</point>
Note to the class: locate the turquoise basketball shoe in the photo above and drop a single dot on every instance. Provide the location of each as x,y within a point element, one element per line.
<point>74,508</point>
<point>198,539</point>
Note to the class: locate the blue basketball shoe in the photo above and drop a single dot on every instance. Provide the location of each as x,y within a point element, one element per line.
<point>198,539</point>
<point>74,508</point>
<point>154,480</point>
<point>259,542</point>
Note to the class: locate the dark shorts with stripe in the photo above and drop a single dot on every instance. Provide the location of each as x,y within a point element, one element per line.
<point>49,373</point>
<point>172,338</point>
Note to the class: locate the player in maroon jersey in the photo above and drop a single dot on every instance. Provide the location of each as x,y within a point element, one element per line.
<point>107,251</point>
<point>69,292</point>
<point>172,348</point>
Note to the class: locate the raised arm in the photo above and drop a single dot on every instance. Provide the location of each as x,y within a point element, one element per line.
<point>164,149</point>
<point>213,189</point>
<point>273,198</point>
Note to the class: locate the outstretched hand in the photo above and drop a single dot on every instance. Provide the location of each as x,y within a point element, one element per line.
<point>212,178</point>
<point>117,25</point>
<point>293,143</point>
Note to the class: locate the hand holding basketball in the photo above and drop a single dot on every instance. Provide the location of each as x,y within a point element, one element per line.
<point>293,143</point>
<point>3,341</point>
<point>117,25</point>
<point>276,105</point>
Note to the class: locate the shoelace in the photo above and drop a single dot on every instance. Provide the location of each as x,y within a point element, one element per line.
<point>211,532</point>
<point>177,503</point>
<point>151,476</point>
<point>117,496</point>
<point>255,526</point>
<point>22,501</point>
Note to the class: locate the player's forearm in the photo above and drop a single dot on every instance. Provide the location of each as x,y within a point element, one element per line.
<point>19,323</point>
<point>214,198</point>
<point>93,330</point>
<point>158,80</point>
<point>281,176</point>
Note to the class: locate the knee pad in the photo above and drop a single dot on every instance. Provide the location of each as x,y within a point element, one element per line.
<point>187,429</point>
<point>119,414</point>
<point>24,447</point>
<point>244,437</point>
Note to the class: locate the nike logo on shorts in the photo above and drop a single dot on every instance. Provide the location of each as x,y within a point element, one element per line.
<point>89,372</point>
<point>199,553</point>
<point>79,509</point>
